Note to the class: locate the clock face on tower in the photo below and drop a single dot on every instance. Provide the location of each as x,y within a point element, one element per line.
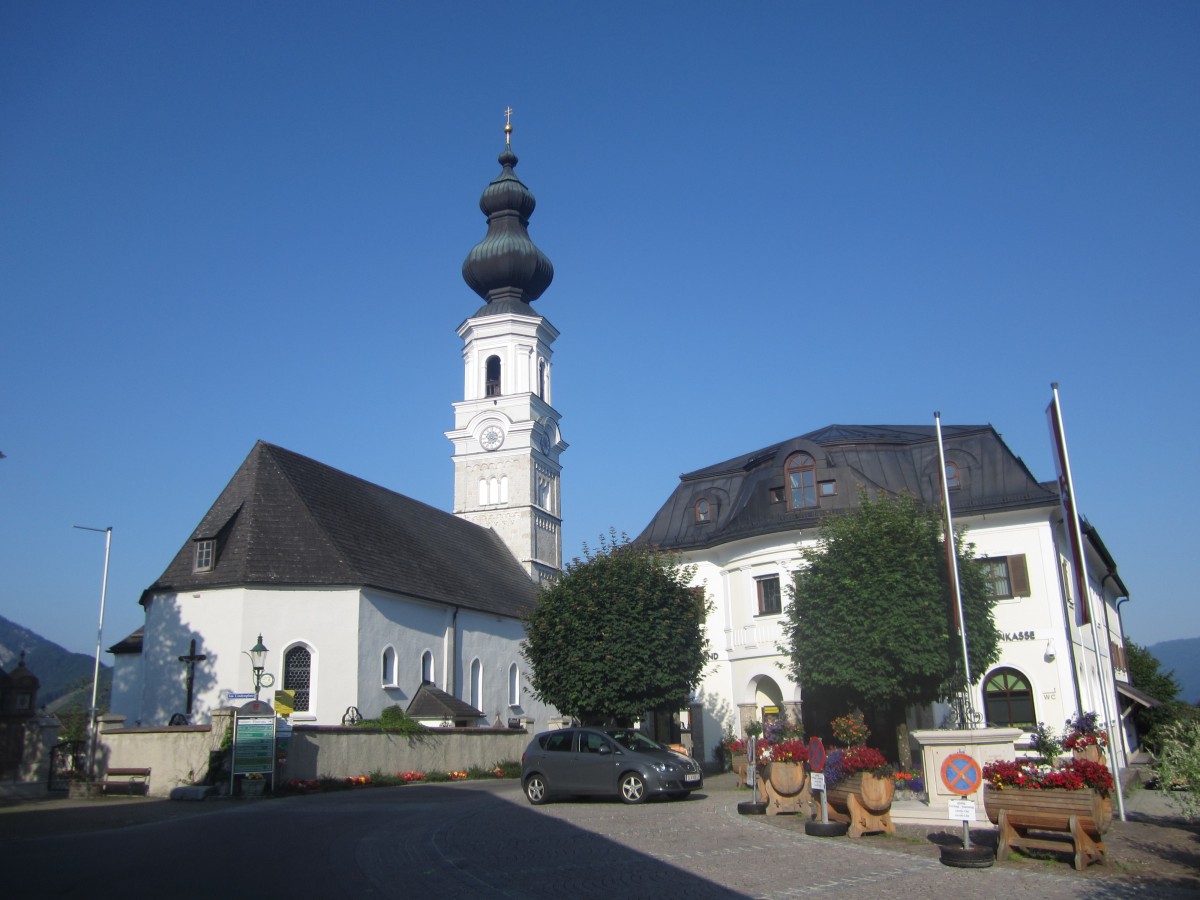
<point>492,437</point>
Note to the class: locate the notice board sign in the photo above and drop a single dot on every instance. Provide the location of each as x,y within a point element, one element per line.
<point>254,739</point>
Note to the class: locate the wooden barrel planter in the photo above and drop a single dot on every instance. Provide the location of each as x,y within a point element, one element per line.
<point>740,763</point>
<point>864,802</point>
<point>786,788</point>
<point>1082,816</point>
<point>1092,752</point>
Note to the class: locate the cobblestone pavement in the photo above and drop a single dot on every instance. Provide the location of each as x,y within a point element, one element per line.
<point>480,839</point>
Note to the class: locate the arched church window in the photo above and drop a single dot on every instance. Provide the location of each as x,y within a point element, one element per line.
<point>297,676</point>
<point>703,511</point>
<point>801,481</point>
<point>503,488</point>
<point>492,384</point>
<point>427,672</point>
<point>514,685</point>
<point>483,492</point>
<point>389,666</point>
<point>1008,700</point>
<point>476,683</point>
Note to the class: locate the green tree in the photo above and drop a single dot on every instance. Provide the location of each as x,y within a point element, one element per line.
<point>618,635</point>
<point>870,623</point>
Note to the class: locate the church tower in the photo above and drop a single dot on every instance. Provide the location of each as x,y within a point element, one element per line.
<point>506,438</point>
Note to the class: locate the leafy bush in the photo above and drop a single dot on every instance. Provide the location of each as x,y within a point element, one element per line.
<point>394,718</point>
<point>1179,766</point>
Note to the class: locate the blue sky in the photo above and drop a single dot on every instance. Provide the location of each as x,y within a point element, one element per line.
<point>226,221</point>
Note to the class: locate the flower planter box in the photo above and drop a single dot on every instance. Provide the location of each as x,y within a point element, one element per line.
<point>1081,817</point>
<point>786,787</point>
<point>864,802</point>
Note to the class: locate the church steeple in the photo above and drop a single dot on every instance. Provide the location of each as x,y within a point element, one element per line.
<point>506,437</point>
<point>506,268</point>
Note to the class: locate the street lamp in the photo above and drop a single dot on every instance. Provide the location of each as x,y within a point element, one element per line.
<point>91,754</point>
<point>258,661</point>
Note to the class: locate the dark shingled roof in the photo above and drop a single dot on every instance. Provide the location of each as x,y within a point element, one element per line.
<point>430,702</point>
<point>131,643</point>
<point>885,460</point>
<point>285,520</point>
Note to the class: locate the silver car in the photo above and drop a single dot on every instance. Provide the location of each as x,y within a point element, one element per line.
<point>607,762</point>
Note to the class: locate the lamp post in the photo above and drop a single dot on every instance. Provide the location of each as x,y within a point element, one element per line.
<point>91,739</point>
<point>258,661</point>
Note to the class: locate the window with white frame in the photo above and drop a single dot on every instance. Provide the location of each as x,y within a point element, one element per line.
<point>514,685</point>
<point>297,676</point>
<point>476,683</point>
<point>427,671</point>
<point>389,666</point>
<point>770,601</point>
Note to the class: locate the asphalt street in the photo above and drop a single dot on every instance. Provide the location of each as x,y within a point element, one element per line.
<point>474,839</point>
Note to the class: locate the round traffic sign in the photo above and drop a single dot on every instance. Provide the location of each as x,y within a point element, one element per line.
<point>961,774</point>
<point>816,754</point>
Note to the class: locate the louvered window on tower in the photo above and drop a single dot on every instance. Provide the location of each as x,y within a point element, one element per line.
<point>492,385</point>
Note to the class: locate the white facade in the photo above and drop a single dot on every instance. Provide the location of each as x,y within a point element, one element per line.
<point>1042,640</point>
<point>367,649</point>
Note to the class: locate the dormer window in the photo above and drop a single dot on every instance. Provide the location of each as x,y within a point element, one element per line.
<point>801,472</point>
<point>206,551</point>
<point>953,482</point>
<point>703,512</point>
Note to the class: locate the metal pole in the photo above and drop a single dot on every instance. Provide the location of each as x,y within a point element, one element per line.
<point>1085,599</point>
<point>952,547</point>
<point>92,736</point>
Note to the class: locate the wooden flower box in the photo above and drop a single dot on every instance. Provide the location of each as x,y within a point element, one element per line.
<point>1081,817</point>
<point>864,801</point>
<point>786,788</point>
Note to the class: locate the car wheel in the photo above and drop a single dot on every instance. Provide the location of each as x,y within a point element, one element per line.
<point>633,788</point>
<point>535,789</point>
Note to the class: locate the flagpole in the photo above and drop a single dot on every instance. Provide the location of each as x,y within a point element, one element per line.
<point>1066,487</point>
<point>92,737</point>
<point>952,562</point>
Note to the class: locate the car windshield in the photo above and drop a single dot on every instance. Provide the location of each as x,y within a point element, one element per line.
<point>634,740</point>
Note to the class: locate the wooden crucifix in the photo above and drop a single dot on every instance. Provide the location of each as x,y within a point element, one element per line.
<point>191,659</point>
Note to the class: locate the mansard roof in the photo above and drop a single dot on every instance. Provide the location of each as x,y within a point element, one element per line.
<point>883,460</point>
<point>285,520</point>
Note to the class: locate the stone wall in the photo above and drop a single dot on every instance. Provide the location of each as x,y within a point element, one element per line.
<point>317,752</point>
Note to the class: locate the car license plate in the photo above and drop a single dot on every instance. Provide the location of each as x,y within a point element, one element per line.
<point>692,776</point>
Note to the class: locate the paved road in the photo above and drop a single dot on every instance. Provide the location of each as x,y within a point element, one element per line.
<point>477,839</point>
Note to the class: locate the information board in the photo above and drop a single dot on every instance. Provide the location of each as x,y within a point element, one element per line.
<point>254,740</point>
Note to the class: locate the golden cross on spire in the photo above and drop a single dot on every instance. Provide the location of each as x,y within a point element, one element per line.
<point>507,126</point>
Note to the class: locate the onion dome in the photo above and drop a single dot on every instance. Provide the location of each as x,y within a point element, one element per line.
<point>506,268</point>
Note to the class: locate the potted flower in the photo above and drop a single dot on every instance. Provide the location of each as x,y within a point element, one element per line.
<point>859,782</point>
<point>254,785</point>
<point>1085,738</point>
<point>740,748</point>
<point>1074,798</point>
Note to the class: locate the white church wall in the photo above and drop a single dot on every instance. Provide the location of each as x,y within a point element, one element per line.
<point>410,626</point>
<point>496,642</point>
<point>127,685</point>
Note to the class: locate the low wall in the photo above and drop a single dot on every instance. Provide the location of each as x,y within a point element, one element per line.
<point>181,755</point>
<point>317,751</point>
<point>175,755</point>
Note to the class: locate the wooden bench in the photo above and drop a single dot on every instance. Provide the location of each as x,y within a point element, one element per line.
<point>128,781</point>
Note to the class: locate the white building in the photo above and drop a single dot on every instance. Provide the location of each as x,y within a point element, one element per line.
<point>744,523</point>
<point>362,595</point>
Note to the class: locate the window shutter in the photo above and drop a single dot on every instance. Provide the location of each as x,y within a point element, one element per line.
<point>1018,574</point>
